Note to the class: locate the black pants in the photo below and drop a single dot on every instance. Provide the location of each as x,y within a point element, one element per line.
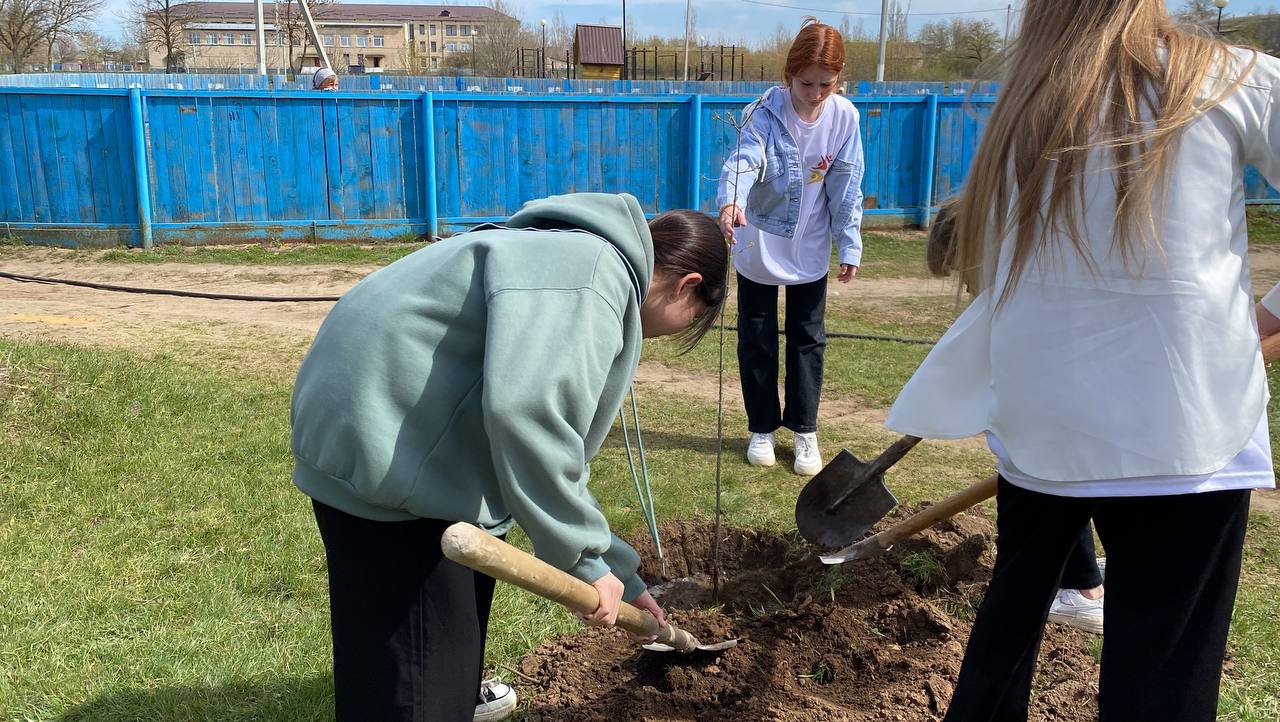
<point>408,625</point>
<point>758,354</point>
<point>1081,570</point>
<point>1172,567</point>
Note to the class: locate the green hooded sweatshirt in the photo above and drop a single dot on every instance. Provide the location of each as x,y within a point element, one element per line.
<point>473,380</point>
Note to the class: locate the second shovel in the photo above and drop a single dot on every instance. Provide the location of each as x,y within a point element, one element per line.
<point>844,500</point>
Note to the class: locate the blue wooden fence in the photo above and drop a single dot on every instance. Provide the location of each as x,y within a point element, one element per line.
<point>98,167</point>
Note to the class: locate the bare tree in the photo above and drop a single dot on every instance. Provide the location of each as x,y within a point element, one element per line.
<point>976,40</point>
<point>292,25</point>
<point>24,27</point>
<point>162,24</point>
<point>65,18</point>
<point>1198,14</point>
<point>493,51</point>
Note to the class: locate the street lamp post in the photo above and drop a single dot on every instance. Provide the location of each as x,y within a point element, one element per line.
<point>542,58</point>
<point>1221,5</point>
<point>474,69</point>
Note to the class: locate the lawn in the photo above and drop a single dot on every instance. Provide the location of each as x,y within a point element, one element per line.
<point>158,564</point>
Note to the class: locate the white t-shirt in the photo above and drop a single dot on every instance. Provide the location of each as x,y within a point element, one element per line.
<point>777,260</point>
<point>1251,469</point>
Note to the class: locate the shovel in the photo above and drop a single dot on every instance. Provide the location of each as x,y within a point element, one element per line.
<point>844,500</point>
<point>916,523</point>
<point>474,549</point>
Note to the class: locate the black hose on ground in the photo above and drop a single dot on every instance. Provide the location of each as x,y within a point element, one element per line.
<point>296,299</point>
<point>161,291</point>
<point>863,337</point>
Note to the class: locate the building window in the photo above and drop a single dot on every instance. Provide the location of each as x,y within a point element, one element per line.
<point>379,41</point>
<point>246,39</point>
<point>434,47</point>
<point>228,39</point>
<point>346,58</point>
<point>464,30</point>
<point>435,63</point>
<point>422,45</point>
<point>423,31</point>
<point>328,40</point>
<point>451,47</point>
<point>360,59</point>
<point>211,39</point>
<point>376,60</point>
<point>433,28</point>
<point>362,41</point>
<point>451,30</point>
<point>345,41</point>
<point>193,38</point>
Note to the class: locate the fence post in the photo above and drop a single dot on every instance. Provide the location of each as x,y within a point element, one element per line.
<point>428,129</point>
<point>140,170</point>
<point>930,158</point>
<point>695,150</point>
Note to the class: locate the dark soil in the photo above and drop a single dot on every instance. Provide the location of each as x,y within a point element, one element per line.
<point>878,639</point>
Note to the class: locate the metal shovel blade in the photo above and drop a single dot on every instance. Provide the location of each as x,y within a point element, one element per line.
<point>718,647</point>
<point>842,502</point>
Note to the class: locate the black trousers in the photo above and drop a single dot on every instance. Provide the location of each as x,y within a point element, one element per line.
<point>408,625</point>
<point>1081,570</point>
<point>758,354</point>
<point>1172,567</point>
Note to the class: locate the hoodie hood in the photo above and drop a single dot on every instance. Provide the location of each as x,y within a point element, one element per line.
<point>617,218</point>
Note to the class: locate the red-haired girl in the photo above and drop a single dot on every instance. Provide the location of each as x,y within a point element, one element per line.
<point>790,187</point>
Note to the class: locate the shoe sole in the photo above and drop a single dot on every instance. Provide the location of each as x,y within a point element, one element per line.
<point>1077,622</point>
<point>498,713</point>
<point>807,470</point>
<point>762,461</point>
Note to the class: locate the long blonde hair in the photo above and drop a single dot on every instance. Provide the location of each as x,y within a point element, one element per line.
<point>1084,75</point>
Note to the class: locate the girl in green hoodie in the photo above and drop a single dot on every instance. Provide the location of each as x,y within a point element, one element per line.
<point>473,381</point>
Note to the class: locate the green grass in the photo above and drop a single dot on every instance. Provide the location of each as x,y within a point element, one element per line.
<point>158,564</point>
<point>1264,225</point>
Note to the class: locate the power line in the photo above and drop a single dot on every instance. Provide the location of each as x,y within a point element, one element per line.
<point>829,11</point>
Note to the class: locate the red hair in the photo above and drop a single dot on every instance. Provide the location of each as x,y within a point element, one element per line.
<point>816,44</point>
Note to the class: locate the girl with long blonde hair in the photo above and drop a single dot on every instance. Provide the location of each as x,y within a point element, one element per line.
<point>1111,353</point>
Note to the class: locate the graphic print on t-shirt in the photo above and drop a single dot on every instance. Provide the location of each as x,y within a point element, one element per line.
<point>819,171</point>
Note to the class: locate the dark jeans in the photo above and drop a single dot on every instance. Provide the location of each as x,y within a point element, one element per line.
<point>408,625</point>
<point>1172,567</point>
<point>1081,570</point>
<point>758,354</point>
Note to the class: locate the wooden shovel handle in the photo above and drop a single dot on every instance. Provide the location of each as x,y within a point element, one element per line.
<point>473,548</point>
<point>945,509</point>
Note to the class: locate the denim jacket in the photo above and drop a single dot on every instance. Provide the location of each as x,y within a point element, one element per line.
<point>770,176</point>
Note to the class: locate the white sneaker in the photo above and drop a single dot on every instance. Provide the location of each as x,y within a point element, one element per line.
<point>496,701</point>
<point>808,458</point>
<point>760,450</point>
<point>1073,608</point>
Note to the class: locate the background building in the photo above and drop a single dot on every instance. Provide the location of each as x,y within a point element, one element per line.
<point>219,36</point>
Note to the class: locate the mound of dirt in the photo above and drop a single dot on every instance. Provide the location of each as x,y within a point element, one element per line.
<point>878,639</point>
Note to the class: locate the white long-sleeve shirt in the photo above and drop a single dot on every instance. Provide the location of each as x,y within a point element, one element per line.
<point>1147,371</point>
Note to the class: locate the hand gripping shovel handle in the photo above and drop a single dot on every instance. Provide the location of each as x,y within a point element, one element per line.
<point>914,524</point>
<point>473,548</point>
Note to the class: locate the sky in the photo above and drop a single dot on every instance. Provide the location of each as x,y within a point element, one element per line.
<point>737,21</point>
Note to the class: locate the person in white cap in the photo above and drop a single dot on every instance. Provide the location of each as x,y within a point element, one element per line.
<point>324,79</point>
